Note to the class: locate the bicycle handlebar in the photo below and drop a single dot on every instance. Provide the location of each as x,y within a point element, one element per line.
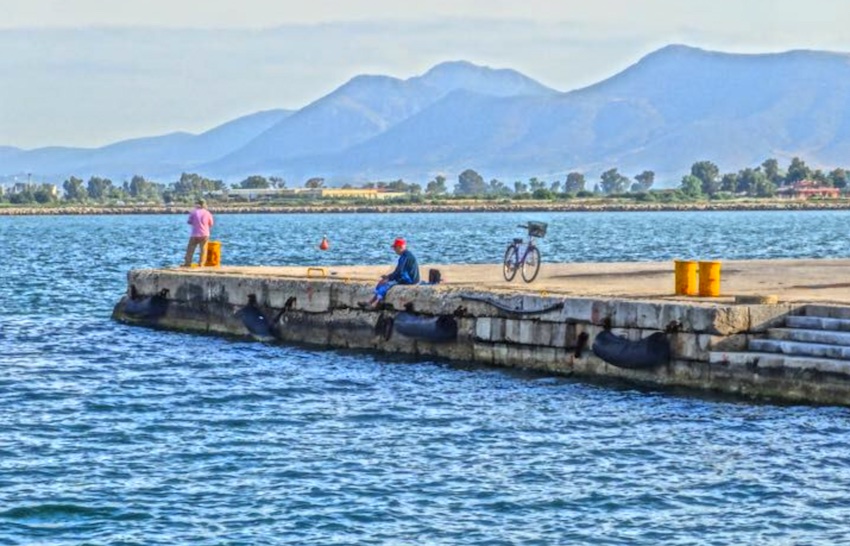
<point>529,230</point>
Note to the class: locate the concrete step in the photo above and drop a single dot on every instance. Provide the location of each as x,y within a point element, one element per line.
<point>817,323</point>
<point>828,337</point>
<point>799,348</point>
<point>827,311</point>
<point>774,360</point>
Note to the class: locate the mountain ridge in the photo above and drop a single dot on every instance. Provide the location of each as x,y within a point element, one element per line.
<point>672,107</point>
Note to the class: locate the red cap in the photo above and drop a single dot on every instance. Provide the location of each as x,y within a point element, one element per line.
<point>399,242</point>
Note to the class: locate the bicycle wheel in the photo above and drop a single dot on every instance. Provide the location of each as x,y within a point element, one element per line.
<point>509,265</point>
<point>531,265</point>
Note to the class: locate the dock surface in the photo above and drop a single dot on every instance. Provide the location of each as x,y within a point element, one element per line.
<point>792,281</point>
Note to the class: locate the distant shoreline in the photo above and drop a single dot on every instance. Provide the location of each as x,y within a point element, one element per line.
<point>470,206</point>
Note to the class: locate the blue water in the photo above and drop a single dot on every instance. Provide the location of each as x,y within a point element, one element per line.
<point>111,434</point>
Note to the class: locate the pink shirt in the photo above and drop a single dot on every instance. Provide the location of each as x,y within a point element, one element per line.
<point>201,221</point>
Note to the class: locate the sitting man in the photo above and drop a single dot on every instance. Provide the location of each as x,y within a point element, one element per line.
<point>406,272</point>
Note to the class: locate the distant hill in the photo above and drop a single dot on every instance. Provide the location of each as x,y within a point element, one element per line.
<point>364,108</point>
<point>673,107</point>
<point>164,155</point>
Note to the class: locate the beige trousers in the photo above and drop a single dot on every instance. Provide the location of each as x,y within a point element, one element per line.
<point>190,250</point>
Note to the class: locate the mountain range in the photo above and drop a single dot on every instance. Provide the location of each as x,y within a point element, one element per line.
<point>673,107</point>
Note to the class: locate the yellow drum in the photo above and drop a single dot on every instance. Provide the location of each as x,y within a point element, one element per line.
<point>686,277</point>
<point>213,254</point>
<point>709,279</point>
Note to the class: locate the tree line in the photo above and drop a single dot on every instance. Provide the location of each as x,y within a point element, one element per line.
<point>100,190</point>
<point>703,181</point>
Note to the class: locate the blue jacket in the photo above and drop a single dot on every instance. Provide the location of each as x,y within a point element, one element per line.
<point>407,269</point>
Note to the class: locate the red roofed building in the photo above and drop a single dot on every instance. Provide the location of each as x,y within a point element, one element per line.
<point>806,189</point>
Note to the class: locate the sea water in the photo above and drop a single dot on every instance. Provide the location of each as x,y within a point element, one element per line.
<point>111,434</point>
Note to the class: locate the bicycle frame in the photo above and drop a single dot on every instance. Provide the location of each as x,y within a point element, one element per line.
<point>525,248</point>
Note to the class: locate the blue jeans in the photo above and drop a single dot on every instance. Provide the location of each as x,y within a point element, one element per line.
<point>382,289</point>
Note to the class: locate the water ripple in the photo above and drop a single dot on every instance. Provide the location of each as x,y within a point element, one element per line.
<point>120,435</point>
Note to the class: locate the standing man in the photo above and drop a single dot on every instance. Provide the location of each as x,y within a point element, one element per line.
<point>201,221</point>
<point>406,272</point>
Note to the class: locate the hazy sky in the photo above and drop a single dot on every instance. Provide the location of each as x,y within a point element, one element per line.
<point>92,72</point>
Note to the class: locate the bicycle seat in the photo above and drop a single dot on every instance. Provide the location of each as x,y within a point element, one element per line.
<point>518,241</point>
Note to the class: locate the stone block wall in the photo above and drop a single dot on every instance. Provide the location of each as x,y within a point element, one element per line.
<point>530,331</point>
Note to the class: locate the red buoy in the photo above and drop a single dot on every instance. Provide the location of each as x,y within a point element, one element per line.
<point>324,245</point>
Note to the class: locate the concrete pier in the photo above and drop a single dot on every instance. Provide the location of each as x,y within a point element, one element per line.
<point>796,350</point>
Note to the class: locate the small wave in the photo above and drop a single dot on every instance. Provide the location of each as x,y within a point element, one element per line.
<point>56,512</point>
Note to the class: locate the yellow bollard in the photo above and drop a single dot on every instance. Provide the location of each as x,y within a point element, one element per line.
<point>686,277</point>
<point>709,279</point>
<point>213,254</point>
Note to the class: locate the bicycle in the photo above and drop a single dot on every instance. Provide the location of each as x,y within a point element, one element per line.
<point>524,256</point>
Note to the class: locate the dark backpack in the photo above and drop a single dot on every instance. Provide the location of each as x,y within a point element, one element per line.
<point>434,276</point>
